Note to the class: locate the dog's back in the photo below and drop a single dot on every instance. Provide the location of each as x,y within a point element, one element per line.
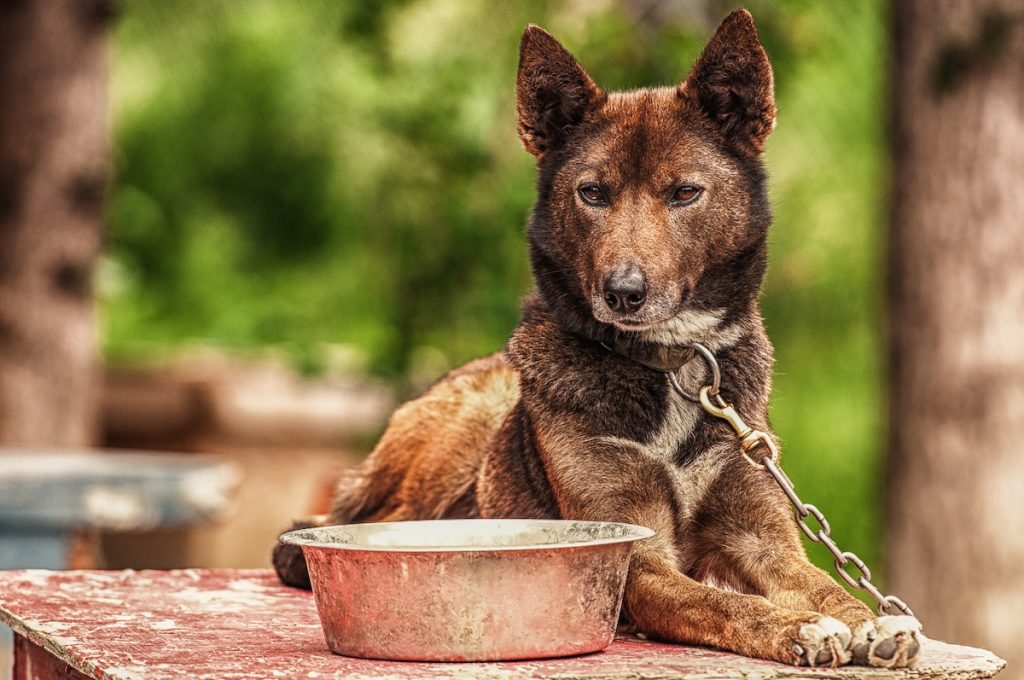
<point>426,464</point>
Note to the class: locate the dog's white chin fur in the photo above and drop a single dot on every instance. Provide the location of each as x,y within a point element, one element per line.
<point>689,325</point>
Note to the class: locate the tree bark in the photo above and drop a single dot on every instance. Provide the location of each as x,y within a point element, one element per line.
<point>53,169</point>
<point>955,541</point>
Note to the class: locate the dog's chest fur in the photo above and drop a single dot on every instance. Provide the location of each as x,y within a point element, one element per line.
<point>670,443</point>
<point>584,401</point>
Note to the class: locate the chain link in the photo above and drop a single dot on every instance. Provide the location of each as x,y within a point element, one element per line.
<point>752,440</point>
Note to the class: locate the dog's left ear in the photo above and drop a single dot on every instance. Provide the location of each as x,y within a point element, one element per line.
<point>553,92</point>
<point>731,83</point>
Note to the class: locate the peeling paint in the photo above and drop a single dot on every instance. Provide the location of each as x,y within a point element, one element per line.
<point>126,673</point>
<point>246,586</point>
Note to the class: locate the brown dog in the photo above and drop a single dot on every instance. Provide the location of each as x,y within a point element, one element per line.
<point>648,234</point>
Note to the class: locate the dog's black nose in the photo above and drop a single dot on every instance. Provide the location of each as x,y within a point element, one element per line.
<point>625,289</point>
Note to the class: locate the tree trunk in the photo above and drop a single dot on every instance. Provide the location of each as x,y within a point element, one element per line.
<point>956,310</point>
<point>53,169</point>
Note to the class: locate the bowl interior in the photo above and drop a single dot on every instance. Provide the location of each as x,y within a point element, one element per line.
<point>466,535</point>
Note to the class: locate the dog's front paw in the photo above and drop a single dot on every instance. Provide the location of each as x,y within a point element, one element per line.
<point>822,642</point>
<point>288,559</point>
<point>887,642</point>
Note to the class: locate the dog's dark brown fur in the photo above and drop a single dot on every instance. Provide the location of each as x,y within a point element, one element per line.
<point>559,426</point>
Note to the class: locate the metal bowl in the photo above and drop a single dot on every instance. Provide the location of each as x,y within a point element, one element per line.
<point>468,590</point>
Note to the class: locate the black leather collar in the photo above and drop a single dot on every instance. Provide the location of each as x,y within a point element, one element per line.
<point>664,358</point>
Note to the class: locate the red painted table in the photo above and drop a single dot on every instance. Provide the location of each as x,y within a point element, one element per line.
<point>243,624</point>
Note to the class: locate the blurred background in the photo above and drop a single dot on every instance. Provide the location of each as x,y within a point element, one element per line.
<point>340,186</point>
<point>242,232</point>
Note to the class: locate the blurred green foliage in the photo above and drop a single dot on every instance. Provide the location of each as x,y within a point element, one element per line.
<point>297,174</point>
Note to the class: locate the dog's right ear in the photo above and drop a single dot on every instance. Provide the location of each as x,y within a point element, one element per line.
<point>553,92</point>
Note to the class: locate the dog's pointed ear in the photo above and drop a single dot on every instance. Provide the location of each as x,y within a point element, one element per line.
<point>553,92</point>
<point>731,83</point>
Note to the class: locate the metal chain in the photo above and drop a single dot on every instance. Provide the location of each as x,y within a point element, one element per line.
<point>753,441</point>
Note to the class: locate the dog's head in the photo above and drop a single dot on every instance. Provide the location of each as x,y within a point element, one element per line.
<point>652,214</point>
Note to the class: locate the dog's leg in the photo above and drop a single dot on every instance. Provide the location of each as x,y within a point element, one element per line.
<point>761,547</point>
<point>663,602</point>
<point>617,482</point>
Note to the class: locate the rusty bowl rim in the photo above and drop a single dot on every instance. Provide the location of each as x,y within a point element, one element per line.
<point>635,532</point>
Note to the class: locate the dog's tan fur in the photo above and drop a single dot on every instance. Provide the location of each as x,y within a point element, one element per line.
<point>559,426</point>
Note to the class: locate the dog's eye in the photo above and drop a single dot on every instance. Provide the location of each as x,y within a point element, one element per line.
<point>686,194</point>
<point>592,194</point>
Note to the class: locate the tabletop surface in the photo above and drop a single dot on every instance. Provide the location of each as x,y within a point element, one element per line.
<point>243,624</point>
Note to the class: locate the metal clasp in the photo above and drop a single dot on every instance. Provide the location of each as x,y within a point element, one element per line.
<point>750,438</point>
